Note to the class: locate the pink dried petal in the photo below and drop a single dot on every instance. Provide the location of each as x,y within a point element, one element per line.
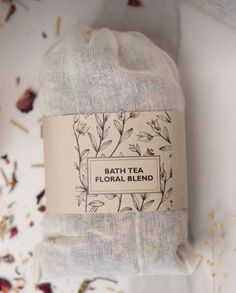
<point>13,232</point>
<point>136,3</point>
<point>11,11</point>
<point>45,287</point>
<point>25,103</point>
<point>5,285</point>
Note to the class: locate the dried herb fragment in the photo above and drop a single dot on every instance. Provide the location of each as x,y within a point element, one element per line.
<point>44,35</point>
<point>13,232</point>
<point>19,126</point>
<point>14,180</point>
<point>5,285</point>
<point>8,258</point>
<point>45,287</point>
<point>136,3</point>
<point>26,101</point>
<point>17,80</point>
<point>11,11</point>
<point>58,26</point>
<point>42,208</point>
<point>40,196</point>
<point>6,159</point>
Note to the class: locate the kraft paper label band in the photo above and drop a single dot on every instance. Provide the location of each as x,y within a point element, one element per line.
<point>115,162</point>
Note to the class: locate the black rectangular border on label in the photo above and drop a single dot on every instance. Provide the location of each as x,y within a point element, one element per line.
<point>158,190</point>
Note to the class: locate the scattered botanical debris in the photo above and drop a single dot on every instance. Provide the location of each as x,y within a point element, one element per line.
<point>6,159</point>
<point>5,285</point>
<point>7,258</point>
<point>85,285</point>
<point>11,11</point>
<point>26,101</point>
<point>17,80</point>
<point>19,283</point>
<point>44,35</point>
<point>4,176</point>
<point>42,208</point>
<point>45,287</point>
<point>58,26</point>
<point>215,245</point>
<point>37,165</point>
<point>136,3</point>
<point>14,180</point>
<point>19,125</point>
<point>40,196</point>
<point>13,232</point>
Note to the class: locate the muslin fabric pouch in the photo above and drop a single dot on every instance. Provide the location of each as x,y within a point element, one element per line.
<point>108,71</point>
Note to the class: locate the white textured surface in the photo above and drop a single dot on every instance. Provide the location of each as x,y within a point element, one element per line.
<point>208,68</point>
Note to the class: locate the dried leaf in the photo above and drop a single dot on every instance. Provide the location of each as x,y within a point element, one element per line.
<point>40,196</point>
<point>26,101</point>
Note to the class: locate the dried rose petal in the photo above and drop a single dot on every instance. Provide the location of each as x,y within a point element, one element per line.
<point>11,11</point>
<point>25,103</point>
<point>13,232</point>
<point>136,3</point>
<point>42,208</point>
<point>44,35</point>
<point>45,287</point>
<point>5,285</point>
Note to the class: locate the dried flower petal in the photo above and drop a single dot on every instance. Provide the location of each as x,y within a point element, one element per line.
<point>8,258</point>
<point>25,103</point>
<point>42,208</point>
<point>13,232</point>
<point>11,11</point>
<point>44,35</point>
<point>136,3</point>
<point>5,285</point>
<point>45,287</point>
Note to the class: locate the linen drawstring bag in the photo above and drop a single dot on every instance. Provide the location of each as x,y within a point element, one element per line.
<point>123,73</point>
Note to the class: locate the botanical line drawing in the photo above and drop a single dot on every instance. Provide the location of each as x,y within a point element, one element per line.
<point>106,133</point>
